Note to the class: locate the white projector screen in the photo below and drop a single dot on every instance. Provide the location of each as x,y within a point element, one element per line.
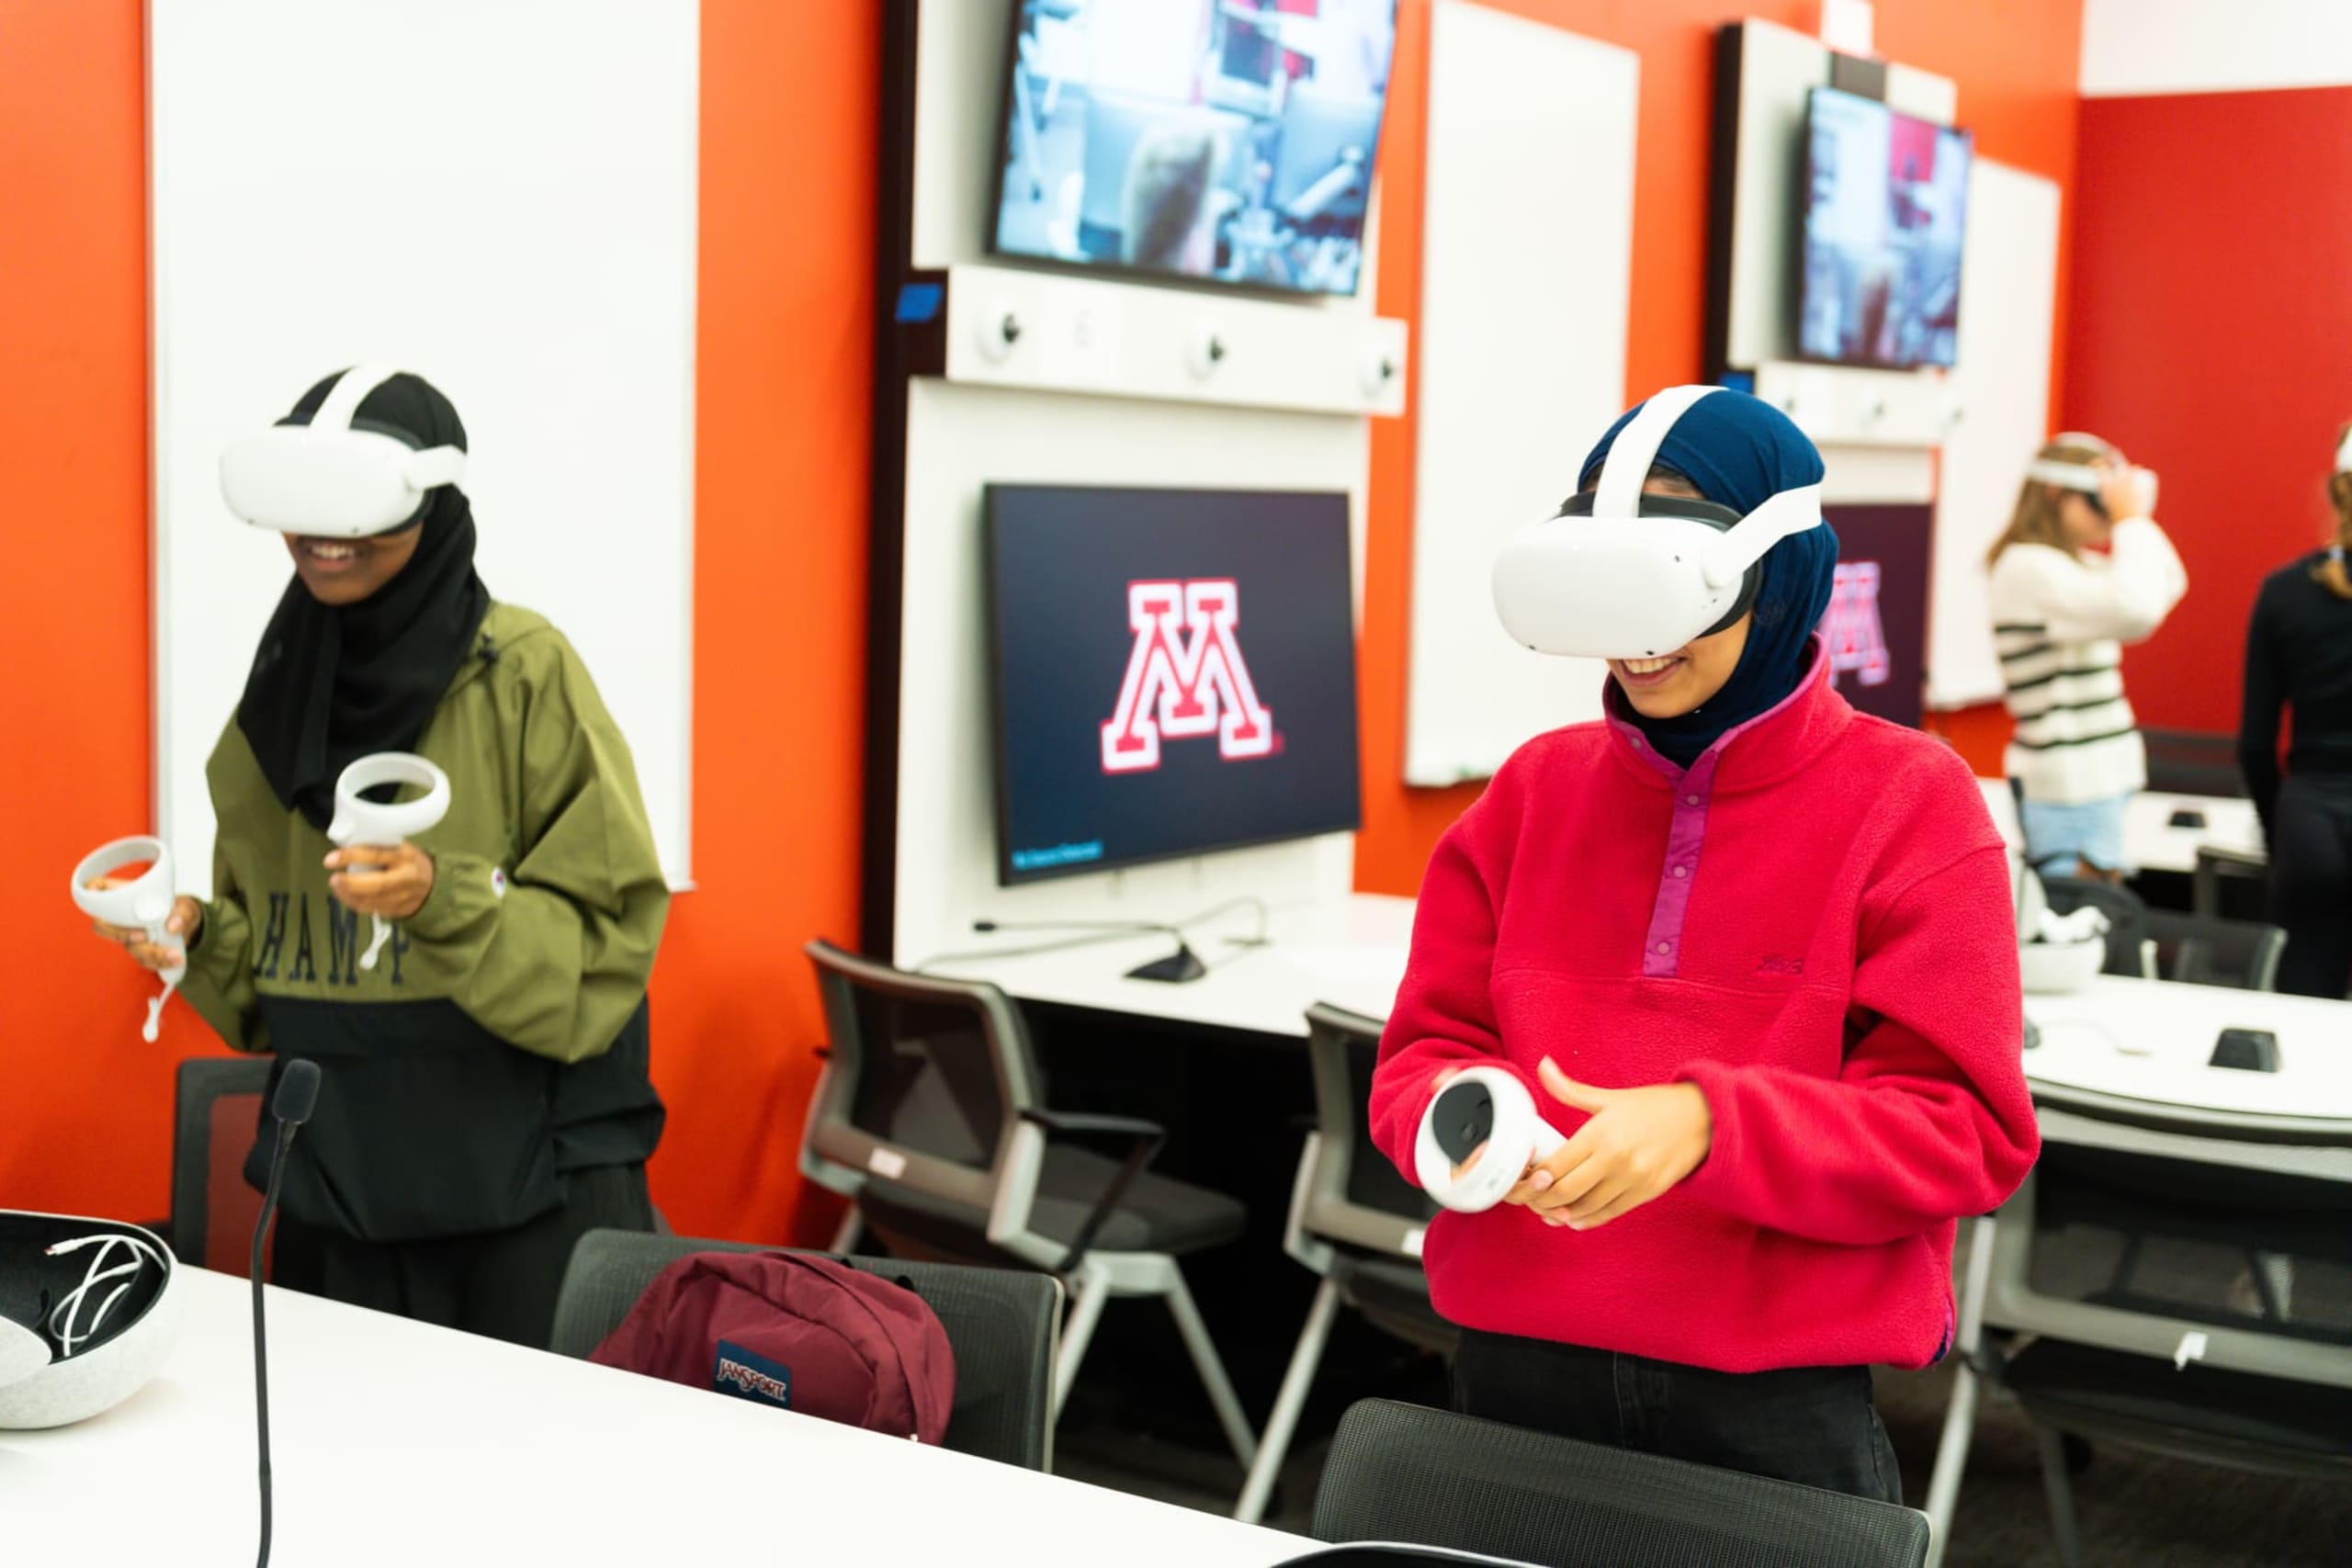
<point>499,195</point>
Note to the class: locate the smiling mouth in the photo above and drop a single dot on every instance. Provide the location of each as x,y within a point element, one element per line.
<point>329,555</point>
<point>1641,673</point>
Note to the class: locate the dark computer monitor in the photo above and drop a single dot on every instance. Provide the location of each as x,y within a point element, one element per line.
<point>1172,672</point>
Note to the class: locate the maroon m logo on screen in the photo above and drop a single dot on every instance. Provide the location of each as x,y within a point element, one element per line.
<point>1186,677</point>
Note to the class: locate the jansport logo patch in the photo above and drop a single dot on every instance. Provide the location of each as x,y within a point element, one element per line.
<point>746,1375</point>
<point>1185,678</point>
<point>1852,630</point>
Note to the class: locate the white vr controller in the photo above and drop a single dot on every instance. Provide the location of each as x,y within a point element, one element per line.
<point>146,901</point>
<point>1482,1108</point>
<point>380,826</point>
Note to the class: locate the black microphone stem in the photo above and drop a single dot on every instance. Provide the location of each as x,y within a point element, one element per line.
<point>261,1342</point>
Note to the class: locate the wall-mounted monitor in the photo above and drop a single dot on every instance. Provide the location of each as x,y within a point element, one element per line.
<point>1883,207</point>
<point>1171,671</point>
<point>1227,141</point>
<point>1876,627</point>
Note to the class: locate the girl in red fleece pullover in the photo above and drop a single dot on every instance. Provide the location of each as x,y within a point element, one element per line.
<point>1753,952</point>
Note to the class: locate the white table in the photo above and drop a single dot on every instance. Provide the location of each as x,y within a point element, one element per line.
<point>2150,841</point>
<point>2125,1040</point>
<point>1350,954</point>
<point>394,1443</point>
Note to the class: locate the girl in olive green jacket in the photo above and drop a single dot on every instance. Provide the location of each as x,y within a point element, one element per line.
<point>485,1097</point>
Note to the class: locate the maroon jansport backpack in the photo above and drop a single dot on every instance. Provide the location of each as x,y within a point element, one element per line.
<point>807,1334</point>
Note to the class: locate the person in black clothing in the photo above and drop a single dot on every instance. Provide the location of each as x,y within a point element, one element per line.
<point>2298,656</point>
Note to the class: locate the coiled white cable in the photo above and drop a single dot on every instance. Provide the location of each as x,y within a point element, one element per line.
<point>62,1318</point>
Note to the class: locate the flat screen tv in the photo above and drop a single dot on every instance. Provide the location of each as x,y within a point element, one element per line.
<point>1171,672</point>
<point>1227,140</point>
<point>1885,205</point>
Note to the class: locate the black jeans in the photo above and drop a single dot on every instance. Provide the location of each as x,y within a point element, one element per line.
<point>502,1284</point>
<point>2311,882</point>
<point>1812,1424</point>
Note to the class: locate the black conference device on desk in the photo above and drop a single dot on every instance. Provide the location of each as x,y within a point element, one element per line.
<point>1176,968</point>
<point>2248,1050</point>
<point>297,1097</point>
<point>2186,818</point>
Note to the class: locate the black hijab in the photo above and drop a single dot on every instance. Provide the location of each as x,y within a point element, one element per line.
<point>331,686</point>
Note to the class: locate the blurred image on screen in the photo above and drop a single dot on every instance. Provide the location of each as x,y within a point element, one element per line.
<point>1230,140</point>
<point>1885,208</point>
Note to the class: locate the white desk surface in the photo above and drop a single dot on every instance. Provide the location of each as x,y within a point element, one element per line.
<point>2169,1031</point>
<point>394,1443</point>
<point>1350,954</point>
<point>1353,957</point>
<point>2150,841</point>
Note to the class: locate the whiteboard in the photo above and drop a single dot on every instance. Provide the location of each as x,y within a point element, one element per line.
<point>2008,288</point>
<point>1526,264</point>
<point>498,194</point>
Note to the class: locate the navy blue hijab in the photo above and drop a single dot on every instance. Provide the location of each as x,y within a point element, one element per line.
<point>1740,451</point>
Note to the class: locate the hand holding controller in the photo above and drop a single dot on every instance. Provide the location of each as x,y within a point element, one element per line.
<point>1479,1136</point>
<point>144,903</point>
<point>371,824</point>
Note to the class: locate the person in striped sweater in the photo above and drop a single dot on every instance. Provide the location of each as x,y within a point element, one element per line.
<point>2082,571</point>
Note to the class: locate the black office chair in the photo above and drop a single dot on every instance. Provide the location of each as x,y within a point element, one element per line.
<point>930,1115</point>
<point>1400,1472</point>
<point>2127,920</point>
<point>1002,1324</point>
<point>216,1106</point>
<point>1354,1221</point>
<point>2206,950</point>
<point>2189,1303</point>
<point>2229,882</point>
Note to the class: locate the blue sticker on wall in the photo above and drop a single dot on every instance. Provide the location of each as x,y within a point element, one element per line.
<point>747,1374</point>
<point>919,303</point>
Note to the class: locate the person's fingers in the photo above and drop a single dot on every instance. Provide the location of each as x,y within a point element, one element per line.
<point>1469,1162</point>
<point>120,935</point>
<point>1568,1091</point>
<point>366,855</point>
<point>1601,1170</point>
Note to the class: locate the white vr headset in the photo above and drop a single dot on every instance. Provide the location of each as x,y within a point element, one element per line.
<point>336,477</point>
<point>2344,455</point>
<point>1620,574</point>
<point>2090,478</point>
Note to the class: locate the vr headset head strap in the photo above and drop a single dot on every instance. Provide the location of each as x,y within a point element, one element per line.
<point>1778,517</point>
<point>2344,453</point>
<point>1636,449</point>
<point>349,391</point>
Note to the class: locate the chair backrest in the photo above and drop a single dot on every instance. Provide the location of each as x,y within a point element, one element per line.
<point>2127,919</point>
<point>1403,1473</point>
<point>1115,124</point>
<point>2228,881</point>
<point>1319,130</point>
<point>217,1104</point>
<point>926,1081</point>
<point>1003,1324</point>
<point>2173,1232</point>
<point>1349,1193</point>
<point>2206,950</point>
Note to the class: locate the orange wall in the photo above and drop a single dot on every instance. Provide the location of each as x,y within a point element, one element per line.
<point>2015,63</point>
<point>787,177</point>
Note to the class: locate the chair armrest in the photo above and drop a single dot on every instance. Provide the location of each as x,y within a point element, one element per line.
<point>1144,1140</point>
